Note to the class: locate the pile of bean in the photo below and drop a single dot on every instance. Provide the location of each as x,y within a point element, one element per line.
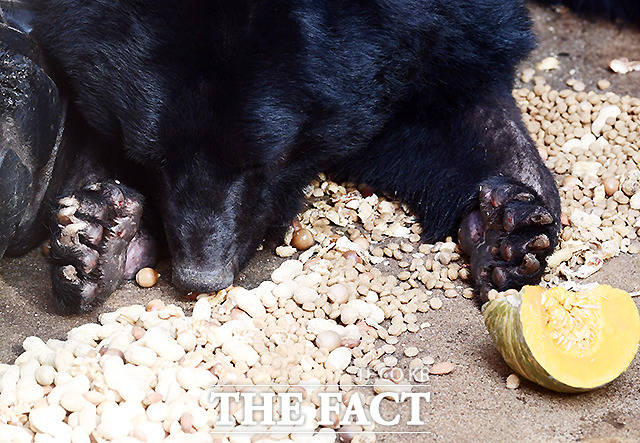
<point>357,277</point>
<point>590,141</point>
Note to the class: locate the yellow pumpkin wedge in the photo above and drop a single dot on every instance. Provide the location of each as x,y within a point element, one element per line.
<point>563,340</point>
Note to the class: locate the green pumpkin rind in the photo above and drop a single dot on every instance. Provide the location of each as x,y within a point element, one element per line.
<point>502,318</point>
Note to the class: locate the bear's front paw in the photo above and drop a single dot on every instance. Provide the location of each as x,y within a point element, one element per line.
<point>95,235</point>
<point>509,236</point>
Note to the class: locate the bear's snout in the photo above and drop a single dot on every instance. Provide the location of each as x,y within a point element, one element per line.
<point>194,278</point>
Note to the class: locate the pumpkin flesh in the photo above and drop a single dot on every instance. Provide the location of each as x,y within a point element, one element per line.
<point>563,340</point>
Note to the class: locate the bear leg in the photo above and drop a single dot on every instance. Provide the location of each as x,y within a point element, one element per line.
<point>472,170</point>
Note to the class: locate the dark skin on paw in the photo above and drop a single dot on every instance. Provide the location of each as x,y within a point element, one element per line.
<point>95,233</point>
<point>507,237</point>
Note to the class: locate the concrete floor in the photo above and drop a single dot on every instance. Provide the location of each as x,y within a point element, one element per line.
<point>472,403</point>
<point>584,49</point>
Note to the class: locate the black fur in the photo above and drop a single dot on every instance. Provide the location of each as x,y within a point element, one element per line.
<point>225,110</point>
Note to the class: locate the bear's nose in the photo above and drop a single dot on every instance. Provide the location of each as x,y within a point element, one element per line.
<point>202,280</point>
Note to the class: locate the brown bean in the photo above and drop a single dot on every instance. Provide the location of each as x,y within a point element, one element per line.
<point>302,239</point>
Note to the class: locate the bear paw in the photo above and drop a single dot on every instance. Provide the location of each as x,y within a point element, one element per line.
<point>509,236</point>
<point>96,243</point>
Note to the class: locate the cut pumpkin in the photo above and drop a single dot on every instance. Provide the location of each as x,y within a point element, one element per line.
<point>563,340</point>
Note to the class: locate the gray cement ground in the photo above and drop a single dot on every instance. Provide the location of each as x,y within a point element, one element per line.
<point>472,403</point>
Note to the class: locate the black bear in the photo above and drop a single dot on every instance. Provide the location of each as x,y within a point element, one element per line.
<point>219,113</point>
